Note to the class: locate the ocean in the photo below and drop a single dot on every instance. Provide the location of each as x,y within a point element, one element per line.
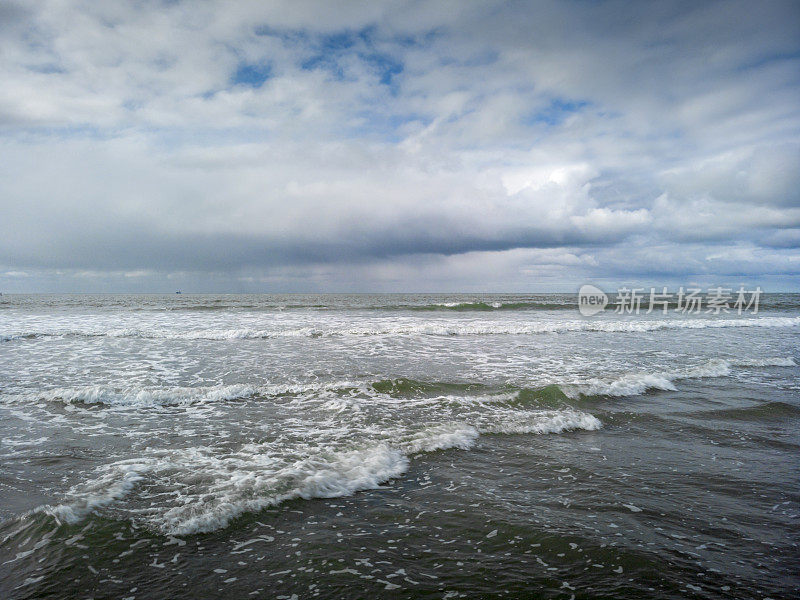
<point>398,446</point>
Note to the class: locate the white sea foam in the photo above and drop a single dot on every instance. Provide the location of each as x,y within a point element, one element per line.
<point>440,437</point>
<point>134,396</point>
<point>113,483</point>
<point>716,367</point>
<point>541,422</point>
<point>235,492</point>
<point>388,327</point>
<point>211,489</point>
<point>632,384</point>
<point>785,361</point>
<point>201,489</point>
<point>628,384</point>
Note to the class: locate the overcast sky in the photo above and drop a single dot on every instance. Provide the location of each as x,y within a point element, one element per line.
<point>398,146</point>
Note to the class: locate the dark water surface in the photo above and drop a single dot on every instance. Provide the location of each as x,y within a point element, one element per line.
<point>262,446</point>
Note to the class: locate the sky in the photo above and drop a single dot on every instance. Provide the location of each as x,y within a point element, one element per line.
<point>285,146</point>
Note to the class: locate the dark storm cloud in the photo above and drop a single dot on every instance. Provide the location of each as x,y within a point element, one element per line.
<point>131,249</point>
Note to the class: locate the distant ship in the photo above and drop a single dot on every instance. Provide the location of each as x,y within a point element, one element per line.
<point>178,292</point>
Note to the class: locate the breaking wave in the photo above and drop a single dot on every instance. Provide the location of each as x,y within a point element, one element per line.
<point>202,489</point>
<point>133,396</point>
<point>632,384</point>
<point>229,485</point>
<point>541,422</point>
<point>483,306</point>
<point>394,327</point>
<point>208,489</point>
<point>554,395</point>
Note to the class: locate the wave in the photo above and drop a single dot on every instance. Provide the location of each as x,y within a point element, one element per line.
<point>765,362</point>
<point>775,411</point>
<point>133,396</point>
<point>552,396</point>
<point>440,437</point>
<point>634,384</point>
<point>440,328</point>
<point>403,387</point>
<point>113,484</point>
<point>235,485</point>
<point>631,384</point>
<point>481,306</point>
<point>206,490</point>
<point>202,489</point>
<point>541,422</point>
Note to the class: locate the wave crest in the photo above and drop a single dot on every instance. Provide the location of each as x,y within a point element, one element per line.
<point>204,490</point>
<point>420,327</point>
<point>634,384</point>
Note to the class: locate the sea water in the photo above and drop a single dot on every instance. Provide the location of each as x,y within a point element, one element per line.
<point>350,446</point>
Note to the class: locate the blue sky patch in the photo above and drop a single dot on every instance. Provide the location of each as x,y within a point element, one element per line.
<point>556,112</point>
<point>253,75</point>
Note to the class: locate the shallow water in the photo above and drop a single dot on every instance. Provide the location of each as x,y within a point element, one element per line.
<point>395,445</point>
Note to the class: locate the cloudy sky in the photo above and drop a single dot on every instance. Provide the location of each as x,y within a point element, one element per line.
<point>398,146</point>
